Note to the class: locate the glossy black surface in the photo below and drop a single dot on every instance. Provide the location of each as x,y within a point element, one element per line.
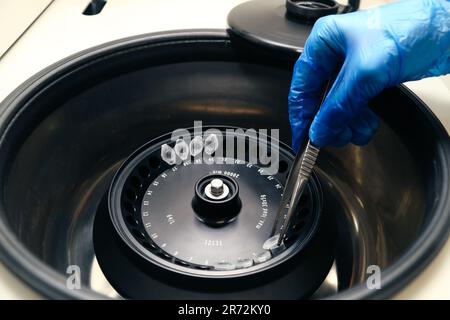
<point>149,206</point>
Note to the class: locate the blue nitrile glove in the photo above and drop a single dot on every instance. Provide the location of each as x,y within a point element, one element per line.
<point>369,51</point>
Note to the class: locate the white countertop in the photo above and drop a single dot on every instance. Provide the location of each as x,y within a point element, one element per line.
<point>62,30</point>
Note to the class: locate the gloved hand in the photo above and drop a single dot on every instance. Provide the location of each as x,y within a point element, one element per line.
<point>369,51</point>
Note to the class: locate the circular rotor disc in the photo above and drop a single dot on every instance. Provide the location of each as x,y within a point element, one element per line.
<point>152,204</point>
<point>180,233</point>
<point>161,235</point>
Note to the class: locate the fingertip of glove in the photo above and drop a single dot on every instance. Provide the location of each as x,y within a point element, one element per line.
<point>318,134</point>
<point>361,140</point>
<point>342,138</point>
<point>321,137</point>
<point>317,139</point>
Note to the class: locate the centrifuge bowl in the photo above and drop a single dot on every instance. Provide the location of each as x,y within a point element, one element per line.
<point>64,133</point>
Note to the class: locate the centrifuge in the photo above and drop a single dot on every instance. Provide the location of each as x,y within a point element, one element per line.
<point>134,146</point>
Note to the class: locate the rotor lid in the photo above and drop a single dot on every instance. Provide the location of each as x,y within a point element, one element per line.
<point>281,24</point>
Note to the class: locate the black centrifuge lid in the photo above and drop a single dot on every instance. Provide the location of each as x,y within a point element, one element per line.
<point>281,24</point>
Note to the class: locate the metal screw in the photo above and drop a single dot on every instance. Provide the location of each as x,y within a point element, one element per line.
<point>217,187</point>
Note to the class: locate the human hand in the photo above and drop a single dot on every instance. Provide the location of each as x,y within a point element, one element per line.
<point>369,51</point>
